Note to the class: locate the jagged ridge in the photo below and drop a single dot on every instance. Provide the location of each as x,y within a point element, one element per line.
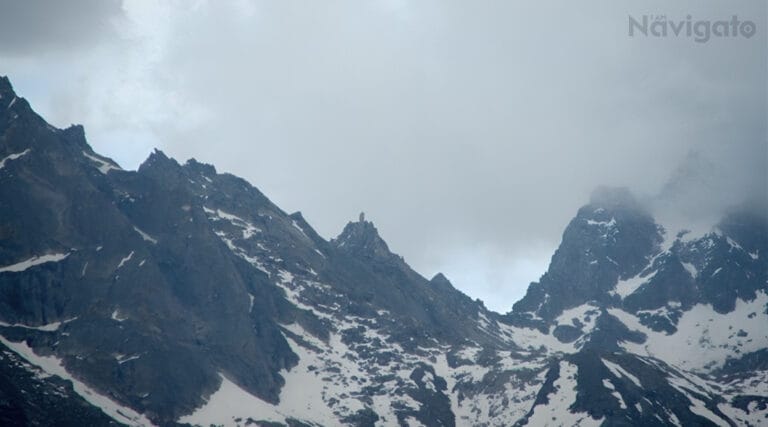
<point>180,294</point>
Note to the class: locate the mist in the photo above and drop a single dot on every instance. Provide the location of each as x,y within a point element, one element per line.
<point>469,135</point>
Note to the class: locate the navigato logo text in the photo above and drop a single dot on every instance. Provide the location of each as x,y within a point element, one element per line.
<point>701,30</point>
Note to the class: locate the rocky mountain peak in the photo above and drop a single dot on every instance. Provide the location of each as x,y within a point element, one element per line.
<point>178,296</point>
<point>204,169</point>
<point>5,87</point>
<point>157,157</point>
<point>361,238</point>
<point>611,238</point>
<point>75,135</point>
<point>160,166</point>
<point>11,105</point>
<point>440,280</point>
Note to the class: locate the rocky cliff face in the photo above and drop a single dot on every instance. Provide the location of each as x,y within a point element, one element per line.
<point>178,295</point>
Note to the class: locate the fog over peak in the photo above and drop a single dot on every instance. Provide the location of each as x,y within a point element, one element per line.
<point>470,134</point>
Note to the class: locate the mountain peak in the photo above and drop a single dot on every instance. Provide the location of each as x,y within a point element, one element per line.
<point>203,168</point>
<point>157,158</point>
<point>611,238</point>
<point>282,328</point>
<point>362,238</point>
<point>439,278</point>
<point>75,134</point>
<point>6,88</point>
<point>440,281</point>
<point>10,101</point>
<point>161,167</point>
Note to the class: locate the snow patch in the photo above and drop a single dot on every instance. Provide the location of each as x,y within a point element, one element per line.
<point>122,358</point>
<point>104,166</point>
<point>611,223</point>
<point>733,244</point>
<point>145,236</point>
<point>533,339</point>
<point>705,339</point>
<point>31,262</point>
<point>254,261</point>
<point>557,410</point>
<point>230,402</point>
<point>627,287</point>
<point>286,277</point>
<point>124,260</point>
<point>619,372</point>
<point>296,225</point>
<point>697,406</point>
<point>50,327</point>
<point>304,395</point>
<point>53,366</point>
<point>691,269</point>
<point>609,385</point>
<point>13,157</point>
<point>248,229</point>
<point>117,317</point>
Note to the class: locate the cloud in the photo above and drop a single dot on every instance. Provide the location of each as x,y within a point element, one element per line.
<point>460,129</point>
<point>32,27</point>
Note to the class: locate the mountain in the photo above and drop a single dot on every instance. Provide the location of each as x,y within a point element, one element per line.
<point>177,295</point>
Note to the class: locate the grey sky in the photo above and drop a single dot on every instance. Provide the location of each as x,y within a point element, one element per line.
<point>470,133</point>
<point>45,26</point>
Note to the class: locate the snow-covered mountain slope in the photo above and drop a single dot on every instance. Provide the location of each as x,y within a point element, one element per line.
<point>178,295</point>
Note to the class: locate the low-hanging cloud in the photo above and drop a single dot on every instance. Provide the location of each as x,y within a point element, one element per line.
<point>34,27</point>
<point>469,133</point>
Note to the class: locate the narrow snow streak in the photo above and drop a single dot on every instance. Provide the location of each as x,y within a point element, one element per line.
<point>31,262</point>
<point>629,286</point>
<point>691,269</point>
<point>296,225</point>
<point>145,236</point>
<point>50,327</point>
<point>13,157</point>
<point>609,385</point>
<point>104,166</point>
<point>121,358</point>
<point>619,372</point>
<point>124,260</point>
<point>248,229</point>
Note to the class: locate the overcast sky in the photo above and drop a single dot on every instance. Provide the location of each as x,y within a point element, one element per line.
<point>469,132</point>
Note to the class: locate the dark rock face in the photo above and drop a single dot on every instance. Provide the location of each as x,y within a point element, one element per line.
<point>26,398</point>
<point>611,238</point>
<point>671,282</point>
<point>176,294</point>
<point>714,269</point>
<point>139,248</point>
